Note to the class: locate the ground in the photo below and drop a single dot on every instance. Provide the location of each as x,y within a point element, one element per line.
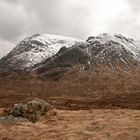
<point>97,124</point>
<point>91,106</point>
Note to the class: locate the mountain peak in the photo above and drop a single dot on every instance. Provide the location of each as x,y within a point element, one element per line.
<point>116,42</point>
<point>102,49</point>
<point>36,49</point>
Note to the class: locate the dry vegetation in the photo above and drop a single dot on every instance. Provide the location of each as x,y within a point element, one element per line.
<point>77,125</point>
<point>82,90</point>
<point>91,106</point>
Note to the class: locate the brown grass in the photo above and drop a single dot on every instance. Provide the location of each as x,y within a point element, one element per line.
<point>77,125</point>
<point>102,103</point>
<point>75,90</point>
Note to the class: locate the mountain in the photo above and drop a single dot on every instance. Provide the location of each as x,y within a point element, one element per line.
<point>98,53</point>
<point>43,53</point>
<point>114,51</point>
<point>101,72</point>
<point>106,47</point>
<point>35,49</point>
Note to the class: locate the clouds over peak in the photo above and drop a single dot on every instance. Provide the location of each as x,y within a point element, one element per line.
<point>11,21</point>
<point>76,18</point>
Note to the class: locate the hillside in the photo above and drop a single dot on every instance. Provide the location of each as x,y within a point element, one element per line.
<point>102,72</point>
<point>34,50</point>
<point>93,85</point>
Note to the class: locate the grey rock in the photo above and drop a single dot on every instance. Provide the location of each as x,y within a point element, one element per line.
<point>32,110</point>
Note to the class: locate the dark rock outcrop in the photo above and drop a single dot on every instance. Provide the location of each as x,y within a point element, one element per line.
<point>65,59</point>
<point>32,110</point>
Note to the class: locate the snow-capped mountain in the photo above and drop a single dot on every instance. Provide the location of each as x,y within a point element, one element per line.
<point>48,51</point>
<point>36,49</point>
<point>114,52</point>
<point>113,47</point>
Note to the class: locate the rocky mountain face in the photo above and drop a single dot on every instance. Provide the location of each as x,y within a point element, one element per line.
<point>42,53</point>
<point>107,48</point>
<point>34,50</point>
<point>113,52</point>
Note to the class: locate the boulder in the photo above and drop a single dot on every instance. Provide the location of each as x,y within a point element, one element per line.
<point>31,110</point>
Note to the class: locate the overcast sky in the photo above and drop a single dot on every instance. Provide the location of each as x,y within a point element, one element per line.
<point>75,18</point>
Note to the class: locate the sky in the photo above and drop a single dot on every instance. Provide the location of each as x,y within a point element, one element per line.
<point>74,18</point>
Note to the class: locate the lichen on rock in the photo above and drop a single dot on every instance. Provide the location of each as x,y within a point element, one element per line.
<point>31,110</point>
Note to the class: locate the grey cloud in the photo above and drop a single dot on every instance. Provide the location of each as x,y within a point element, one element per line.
<point>21,18</point>
<point>76,18</point>
<point>5,47</point>
<point>63,17</point>
<point>11,21</point>
<point>58,17</point>
<point>135,5</point>
<point>128,23</point>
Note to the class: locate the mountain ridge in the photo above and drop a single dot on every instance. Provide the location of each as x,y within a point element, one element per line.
<point>47,52</point>
<point>35,49</point>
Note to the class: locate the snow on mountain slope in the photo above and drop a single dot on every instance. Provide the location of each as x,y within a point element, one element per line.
<point>35,49</point>
<point>113,47</point>
<point>102,49</point>
<point>114,52</point>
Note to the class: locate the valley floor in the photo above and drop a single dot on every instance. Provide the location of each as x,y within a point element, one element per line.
<point>97,124</point>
